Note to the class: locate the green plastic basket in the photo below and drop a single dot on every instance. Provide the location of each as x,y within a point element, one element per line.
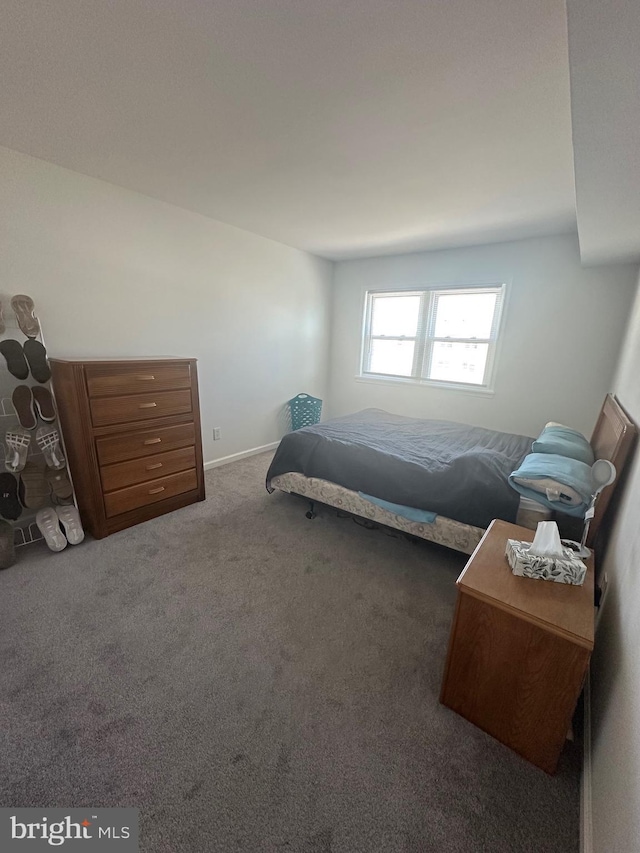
<point>305,410</point>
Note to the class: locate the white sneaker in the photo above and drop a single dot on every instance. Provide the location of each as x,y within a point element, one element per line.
<point>69,518</point>
<point>48,524</point>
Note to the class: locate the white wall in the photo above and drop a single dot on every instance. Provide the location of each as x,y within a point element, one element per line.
<point>615,669</point>
<point>115,273</point>
<point>562,327</point>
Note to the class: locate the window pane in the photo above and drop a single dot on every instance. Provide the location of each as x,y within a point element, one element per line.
<point>459,362</point>
<point>393,357</point>
<point>465,315</point>
<point>395,315</point>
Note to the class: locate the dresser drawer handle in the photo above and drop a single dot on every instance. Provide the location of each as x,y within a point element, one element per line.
<point>156,491</point>
<point>149,377</point>
<point>155,465</point>
<point>147,405</point>
<point>152,441</point>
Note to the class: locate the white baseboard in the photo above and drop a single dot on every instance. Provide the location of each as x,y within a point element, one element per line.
<point>586,816</point>
<point>224,460</point>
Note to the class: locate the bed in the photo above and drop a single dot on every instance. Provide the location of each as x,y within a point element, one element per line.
<point>436,480</point>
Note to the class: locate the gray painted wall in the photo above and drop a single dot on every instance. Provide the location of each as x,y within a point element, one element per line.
<point>615,670</point>
<point>115,273</point>
<point>562,327</point>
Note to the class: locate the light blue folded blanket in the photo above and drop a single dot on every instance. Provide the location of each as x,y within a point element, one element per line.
<point>564,441</point>
<point>409,512</point>
<point>560,471</point>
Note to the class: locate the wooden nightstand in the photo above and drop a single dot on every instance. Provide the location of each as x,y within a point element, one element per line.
<point>519,650</point>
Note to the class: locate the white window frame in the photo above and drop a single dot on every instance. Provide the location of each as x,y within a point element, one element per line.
<point>425,336</point>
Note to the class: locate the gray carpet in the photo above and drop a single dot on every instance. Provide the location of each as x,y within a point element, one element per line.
<point>254,681</point>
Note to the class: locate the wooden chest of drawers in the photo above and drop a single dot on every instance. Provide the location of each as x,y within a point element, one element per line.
<point>132,435</point>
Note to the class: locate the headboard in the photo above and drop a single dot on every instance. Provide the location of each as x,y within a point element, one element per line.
<point>613,438</point>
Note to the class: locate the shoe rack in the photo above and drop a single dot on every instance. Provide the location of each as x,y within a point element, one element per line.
<point>25,528</point>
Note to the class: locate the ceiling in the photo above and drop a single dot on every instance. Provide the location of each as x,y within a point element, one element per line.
<point>342,127</point>
<point>604,54</point>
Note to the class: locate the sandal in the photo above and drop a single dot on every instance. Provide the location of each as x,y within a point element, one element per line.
<point>43,401</point>
<point>59,483</point>
<point>36,355</point>
<point>22,399</point>
<point>18,441</point>
<point>14,356</point>
<point>49,526</point>
<point>34,488</point>
<point>10,506</point>
<point>48,440</point>
<point>23,306</point>
<point>69,518</point>
<point>7,546</point>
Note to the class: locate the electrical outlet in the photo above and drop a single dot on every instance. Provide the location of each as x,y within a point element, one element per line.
<point>217,433</point>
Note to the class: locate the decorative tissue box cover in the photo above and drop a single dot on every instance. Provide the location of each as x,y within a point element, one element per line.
<point>568,570</point>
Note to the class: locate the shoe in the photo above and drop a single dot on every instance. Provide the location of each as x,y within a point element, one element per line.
<point>69,518</point>
<point>48,440</point>
<point>10,506</point>
<point>36,355</point>
<point>43,401</point>
<point>7,546</point>
<point>49,526</point>
<point>34,489</point>
<point>22,399</point>
<point>14,356</point>
<point>18,441</point>
<point>60,484</point>
<point>23,306</point>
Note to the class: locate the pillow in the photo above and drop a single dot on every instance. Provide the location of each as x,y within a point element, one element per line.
<point>563,441</point>
<point>559,482</point>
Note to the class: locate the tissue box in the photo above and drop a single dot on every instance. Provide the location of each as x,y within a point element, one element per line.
<point>568,569</point>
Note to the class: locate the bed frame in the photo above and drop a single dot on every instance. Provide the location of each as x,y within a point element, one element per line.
<point>613,438</point>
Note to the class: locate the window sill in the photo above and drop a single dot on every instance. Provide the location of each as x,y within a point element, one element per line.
<point>426,383</point>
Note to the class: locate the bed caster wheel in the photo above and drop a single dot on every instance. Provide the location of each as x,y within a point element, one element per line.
<point>311,511</point>
<point>310,514</point>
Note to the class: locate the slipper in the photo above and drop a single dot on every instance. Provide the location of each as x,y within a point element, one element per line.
<point>48,440</point>
<point>23,306</point>
<point>59,483</point>
<point>14,355</point>
<point>69,518</point>
<point>43,401</point>
<point>18,441</point>
<point>7,547</point>
<point>49,526</point>
<point>22,399</point>
<point>34,489</point>
<point>37,357</point>
<point>9,504</point>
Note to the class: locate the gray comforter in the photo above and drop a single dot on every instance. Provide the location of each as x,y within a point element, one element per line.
<point>455,470</point>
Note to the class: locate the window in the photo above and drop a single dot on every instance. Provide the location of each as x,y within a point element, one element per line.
<point>443,335</point>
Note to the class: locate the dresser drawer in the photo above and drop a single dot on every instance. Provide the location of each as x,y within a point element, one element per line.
<point>110,380</point>
<point>139,407</point>
<point>148,468</point>
<point>147,442</point>
<point>143,494</point>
